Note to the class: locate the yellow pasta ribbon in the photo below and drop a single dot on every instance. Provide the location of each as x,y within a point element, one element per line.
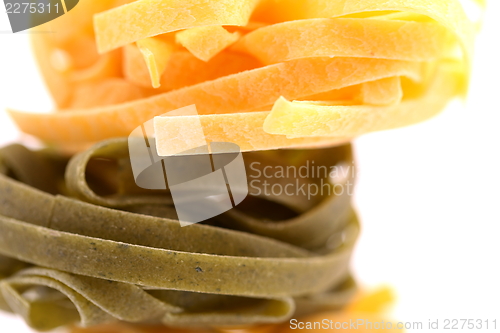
<point>156,53</point>
<point>122,25</point>
<point>303,118</point>
<point>206,42</point>
<point>317,75</point>
<point>348,37</point>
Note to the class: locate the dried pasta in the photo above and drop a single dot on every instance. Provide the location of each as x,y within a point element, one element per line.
<point>85,261</point>
<point>305,52</point>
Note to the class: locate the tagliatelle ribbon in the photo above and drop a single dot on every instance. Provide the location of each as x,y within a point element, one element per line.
<point>70,55</point>
<point>156,52</point>
<point>303,118</point>
<point>106,262</point>
<point>348,37</point>
<point>184,69</point>
<point>363,314</point>
<point>327,213</point>
<point>449,13</point>
<point>207,41</point>
<point>123,25</point>
<point>225,95</point>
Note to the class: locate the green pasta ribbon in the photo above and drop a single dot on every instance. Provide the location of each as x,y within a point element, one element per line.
<point>79,241</point>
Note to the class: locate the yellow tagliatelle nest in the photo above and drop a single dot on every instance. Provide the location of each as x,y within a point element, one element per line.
<point>263,74</point>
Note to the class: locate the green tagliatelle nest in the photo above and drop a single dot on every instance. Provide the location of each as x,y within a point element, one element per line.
<point>80,241</point>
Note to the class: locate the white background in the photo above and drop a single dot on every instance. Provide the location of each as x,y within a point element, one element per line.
<point>428,195</point>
